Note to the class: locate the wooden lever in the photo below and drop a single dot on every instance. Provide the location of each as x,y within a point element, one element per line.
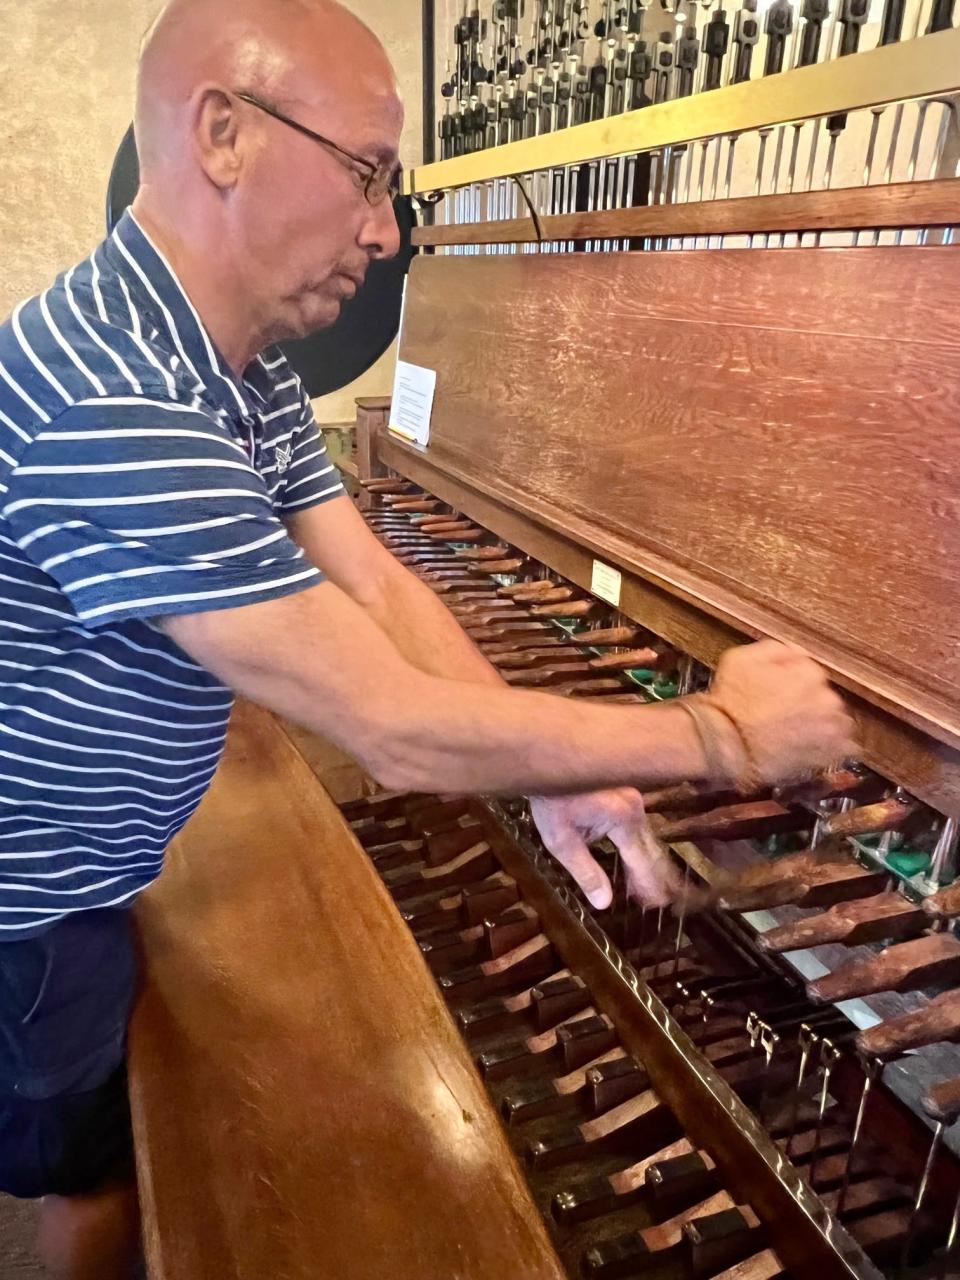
<point>946,903</point>
<point>609,636</point>
<point>813,878</point>
<point>473,863</point>
<point>644,1250</point>
<point>589,688</point>
<point>520,660</point>
<point>594,1196</point>
<point>685,798</point>
<point>761,1266</point>
<point>837,783</point>
<point>592,1089</point>
<point>714,1239</point>
<point>507,630</point>
<point>640,1121</point>
<point>732,822</point>
<point>468,904</point>
<point>571,609</point>
<point>871,919</point>
<point>468,534</point>
<point>938,1020</point>
<point>482,616</point>
<point>540,1007</point>
<point>518,968</point>
<point>886,815</point>
<point>541,676</point>
<point>942,1101</point>
<point>572,1044</point>
<point>496,552</point>
<point>542,590</point>
<point>508,929</point>
<point>384,484</point>
<point>543,639</point>
<point>626,661</point>
<point>452,524</point>
<point>906,966</point>
<point>413,504</point>
<point>498,566</point>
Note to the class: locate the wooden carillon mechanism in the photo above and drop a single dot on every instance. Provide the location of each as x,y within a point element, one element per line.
<point>690,297</point>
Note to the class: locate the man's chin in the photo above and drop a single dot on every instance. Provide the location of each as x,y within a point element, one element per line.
<point>310,316</point>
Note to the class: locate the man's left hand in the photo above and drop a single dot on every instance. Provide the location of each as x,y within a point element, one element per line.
<point>569,823</point>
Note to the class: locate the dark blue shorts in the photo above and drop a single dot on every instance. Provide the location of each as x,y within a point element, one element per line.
<point>65,999</point>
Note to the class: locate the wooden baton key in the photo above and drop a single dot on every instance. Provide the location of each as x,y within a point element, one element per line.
<point>605,637</point>
<point>813,878</point>
<point>536,1008</point>
<point>595,1196</point>
<point>630,658</point>
<point>567,609</point>
<point>640,1251</point>
<point>520,659</point>
<point>496,552</point>
<point>885,815</point>
<point>733,822</point>
<point>871,919</point>
<point>542,590</point>
<point>937,1020</point>
<point>527,963</point>
<point>905,966</point>
<point>642,1121</point>
<point>590,1090</point>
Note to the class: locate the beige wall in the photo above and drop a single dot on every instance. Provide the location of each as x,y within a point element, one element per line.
<point>66,95</point>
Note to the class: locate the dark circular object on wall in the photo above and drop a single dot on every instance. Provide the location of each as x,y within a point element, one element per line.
<point>368,323</point>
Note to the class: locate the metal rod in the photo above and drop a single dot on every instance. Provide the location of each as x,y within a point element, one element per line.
<point>872,1072</point>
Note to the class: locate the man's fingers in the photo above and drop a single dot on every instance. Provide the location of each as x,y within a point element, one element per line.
<point>573,854</point>
<point>651,876</point>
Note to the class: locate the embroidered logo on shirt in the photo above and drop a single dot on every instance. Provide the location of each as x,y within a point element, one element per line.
<point>284,454</point>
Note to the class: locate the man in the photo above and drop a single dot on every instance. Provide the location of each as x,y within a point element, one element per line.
<point>171,531</point>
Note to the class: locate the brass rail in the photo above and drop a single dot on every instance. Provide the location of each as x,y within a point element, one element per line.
<point>920,68</point>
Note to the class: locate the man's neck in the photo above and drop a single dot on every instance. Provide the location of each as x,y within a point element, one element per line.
<point>207,282</point>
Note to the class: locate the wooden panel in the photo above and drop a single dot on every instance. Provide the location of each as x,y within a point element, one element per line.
<point>924,765</point>
<point>903,204</point>
<point>372,414</point>
<point>770,435</point>
<point>303,1105</point>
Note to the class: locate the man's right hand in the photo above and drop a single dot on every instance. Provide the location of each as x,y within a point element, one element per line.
<point>793,721</point>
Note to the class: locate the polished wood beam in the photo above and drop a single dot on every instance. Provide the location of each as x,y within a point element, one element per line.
<point>901,204</point>
<point>303,1105</point>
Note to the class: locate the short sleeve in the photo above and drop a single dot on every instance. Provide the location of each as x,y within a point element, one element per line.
<point>139,508</point>
<point>311,477</point>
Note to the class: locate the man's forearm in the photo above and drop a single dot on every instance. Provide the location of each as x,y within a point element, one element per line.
<point>321,661</point>
<point>426,632</point>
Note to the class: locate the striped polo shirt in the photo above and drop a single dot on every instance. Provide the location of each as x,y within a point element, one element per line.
<point>138,478</point>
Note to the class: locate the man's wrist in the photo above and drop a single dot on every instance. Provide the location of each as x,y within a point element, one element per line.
<point>727,756</point>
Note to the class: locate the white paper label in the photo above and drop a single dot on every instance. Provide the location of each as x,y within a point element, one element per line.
<point>412,402</point>
<point>606,582</point>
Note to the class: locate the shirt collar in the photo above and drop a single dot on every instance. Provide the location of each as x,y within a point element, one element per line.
<point>154,286</point>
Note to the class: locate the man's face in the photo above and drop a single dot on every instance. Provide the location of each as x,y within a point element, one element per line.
<point>307,232</point>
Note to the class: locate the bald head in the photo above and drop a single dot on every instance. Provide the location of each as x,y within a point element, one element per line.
<point>311,53</point>
<point>268,132</point>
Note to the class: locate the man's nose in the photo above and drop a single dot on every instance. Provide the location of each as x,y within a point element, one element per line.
<point>380,235</point>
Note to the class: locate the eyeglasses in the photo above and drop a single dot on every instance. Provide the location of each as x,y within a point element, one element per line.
<point>379,181</point>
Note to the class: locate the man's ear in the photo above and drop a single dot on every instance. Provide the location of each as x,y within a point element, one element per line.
<point>216,136</point>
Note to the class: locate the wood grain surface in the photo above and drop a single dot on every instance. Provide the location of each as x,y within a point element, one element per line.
<point>889,743</point>
<point>773,435</point>
<point>303,1105</point>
